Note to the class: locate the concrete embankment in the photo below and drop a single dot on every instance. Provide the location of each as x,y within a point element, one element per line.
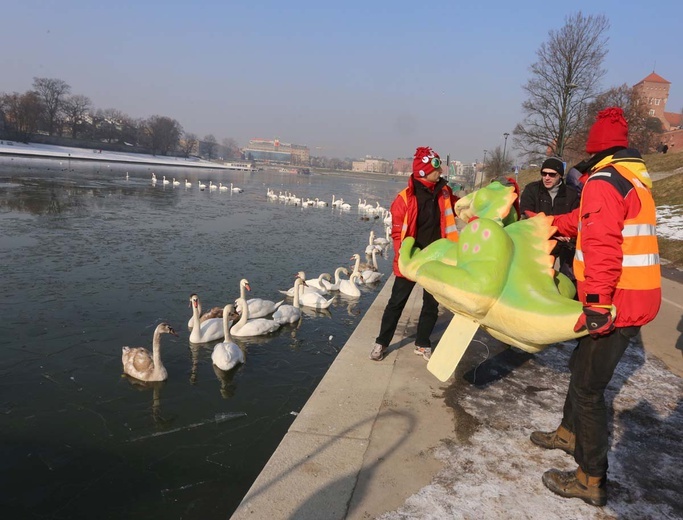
<point>377,437</point>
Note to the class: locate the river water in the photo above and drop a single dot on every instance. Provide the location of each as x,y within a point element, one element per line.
<point>92,261</point>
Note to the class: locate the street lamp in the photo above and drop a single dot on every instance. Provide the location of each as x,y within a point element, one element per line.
<point>562,130</point>
<point>481,179</point>
<point>505,147</point>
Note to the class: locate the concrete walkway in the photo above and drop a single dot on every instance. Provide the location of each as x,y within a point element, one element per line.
<point>366,439</point>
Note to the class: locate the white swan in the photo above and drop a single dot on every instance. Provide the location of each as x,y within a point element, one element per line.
<point>209,330</point>
<point>371,244</point>
<point>154,178</point>
<point>188,184</point>
<point>255,327</point>
<point>322,283</point>
<point>349,287</point>
<point>165,180</point>
<point>337,203</point>
<point>258,308</point>
<point>140,364</point>
<point>345,206</point>
<point>386,239</point>
<point>227,354</point>
<point>314,300</point>
<point>221,187</point>
<point>290,313</point>
<point>337,279</point>
<point>215,312</point>
<point>235,189</point>
<point>175,182</point>
<point>212,186</point>
<point>202,186</point>
<point>370,275</point>
<point>301,274</point>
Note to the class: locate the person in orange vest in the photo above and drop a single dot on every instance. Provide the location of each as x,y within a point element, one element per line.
<point>616,267</point>
<point>423,210</point>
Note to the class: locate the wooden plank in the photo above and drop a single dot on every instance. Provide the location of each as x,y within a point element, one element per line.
<point>452,346</point>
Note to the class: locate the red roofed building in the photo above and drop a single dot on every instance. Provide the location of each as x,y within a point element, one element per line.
<point>654,90</point>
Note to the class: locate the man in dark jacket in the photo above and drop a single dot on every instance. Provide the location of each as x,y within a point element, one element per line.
<point>552,196</point>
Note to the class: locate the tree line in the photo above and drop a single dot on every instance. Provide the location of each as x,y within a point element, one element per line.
<point>49,108</point>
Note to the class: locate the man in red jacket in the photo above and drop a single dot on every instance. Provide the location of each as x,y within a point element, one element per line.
<point>616,265</point>
<point>423,210</point>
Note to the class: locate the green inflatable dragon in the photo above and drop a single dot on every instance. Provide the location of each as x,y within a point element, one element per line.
<point>499,275</point>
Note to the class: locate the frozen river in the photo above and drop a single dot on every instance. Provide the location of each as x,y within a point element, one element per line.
<point>92,261</point>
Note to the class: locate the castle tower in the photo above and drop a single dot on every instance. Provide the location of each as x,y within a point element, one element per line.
<point>654,91</point>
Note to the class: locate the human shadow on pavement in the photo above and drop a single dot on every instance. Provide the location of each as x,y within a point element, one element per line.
<point>646,464</point>
<point>324,503</point>
<point>679,341</point>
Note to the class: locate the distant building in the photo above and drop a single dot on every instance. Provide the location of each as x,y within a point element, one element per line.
<point>654,91</point>
<point>274,151</point>
<point>371,165</point>
<point>402,167</point>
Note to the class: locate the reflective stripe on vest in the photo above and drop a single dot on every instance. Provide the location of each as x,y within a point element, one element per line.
<point>448,228</point>
<point>640,253</point>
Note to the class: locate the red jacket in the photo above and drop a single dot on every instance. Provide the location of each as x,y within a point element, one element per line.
<point>399,210</point>
<point>607,201</point>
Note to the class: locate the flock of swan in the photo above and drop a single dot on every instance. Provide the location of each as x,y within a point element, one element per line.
<point>369,210</point>
<point>202,185</point>
<point>249,317</point>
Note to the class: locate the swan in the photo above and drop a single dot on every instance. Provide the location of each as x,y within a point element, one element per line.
<point>255,327</point>
<point>175,182</point>
<point>210,330</point>
<point>221,187</point>
<point>371,244</point>
<point>154,178</point>
<point>165,180</point>
<point>215,312</point>
<point>258,308</point>
<point>322,283</point>
<point>349,287</point>
<point>345,206</point>
<point>320,203</point>
<point>212,186</point>
<point>188,184</point>
<point>235,189</point>
<point>368,272</point>
<point>315,300</point>
<point>140,364</point>
<point>337,203</point>
<point>227,354</point>
<point>202,186</point>
<point>301,274</point>
<point>337,279</point>
<point>290,313</point>
<point>386,239</point>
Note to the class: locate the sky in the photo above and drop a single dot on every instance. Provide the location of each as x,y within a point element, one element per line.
<point>347,79</point>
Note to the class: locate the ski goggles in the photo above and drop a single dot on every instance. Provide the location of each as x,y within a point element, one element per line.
<point>436,162</point>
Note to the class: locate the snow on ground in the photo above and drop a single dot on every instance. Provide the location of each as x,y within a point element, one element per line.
<point>670,222</point>
<point>493,470</point>
<point>66,152</point>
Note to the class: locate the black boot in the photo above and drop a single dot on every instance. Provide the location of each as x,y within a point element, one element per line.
<point>560,439</point>
<point>576,484</point>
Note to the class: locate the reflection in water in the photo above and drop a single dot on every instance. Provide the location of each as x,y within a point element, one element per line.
<point>228,387</point>
<point>102,260</point>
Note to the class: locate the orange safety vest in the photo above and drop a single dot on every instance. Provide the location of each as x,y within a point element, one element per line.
<point>640,253</point>
<point>448,227</point>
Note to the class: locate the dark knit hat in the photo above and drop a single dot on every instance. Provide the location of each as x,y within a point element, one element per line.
<point>423,162</point>
<point>553,164</point>
<point>610,129</point>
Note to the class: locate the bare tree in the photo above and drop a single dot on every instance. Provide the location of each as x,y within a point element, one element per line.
<point>164,134</point>
<point>231,147</point>
<point>52,93</point>
<point>22,114</point>
<point>565,77</point>
<point>209,146</point>
<point>496,165</point>
<point>643,130</point>
<point>76,110</point>
<point>188,144</point>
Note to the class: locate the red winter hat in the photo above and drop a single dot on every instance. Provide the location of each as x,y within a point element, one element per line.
<point>423,162</point>
<point>610,129</point>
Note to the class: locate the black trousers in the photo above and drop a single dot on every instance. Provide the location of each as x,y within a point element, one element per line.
<point>592,365</point>
<point>400,293</point>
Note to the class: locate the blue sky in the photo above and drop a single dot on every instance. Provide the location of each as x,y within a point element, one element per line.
<point>346,78</point>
